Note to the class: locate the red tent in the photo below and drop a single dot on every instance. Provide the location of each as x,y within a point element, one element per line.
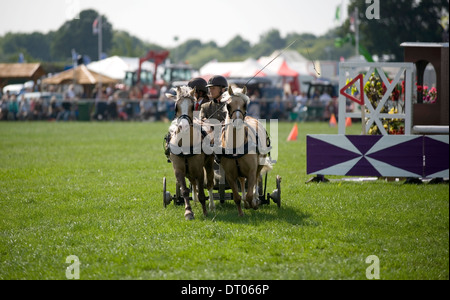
<point>280,67</point>
<point>289,76</point>
<point>284,70</point>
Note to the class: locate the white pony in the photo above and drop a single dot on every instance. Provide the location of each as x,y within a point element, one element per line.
<point>245,149</point>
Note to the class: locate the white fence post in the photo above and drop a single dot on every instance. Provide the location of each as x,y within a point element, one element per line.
<point>348,70</point>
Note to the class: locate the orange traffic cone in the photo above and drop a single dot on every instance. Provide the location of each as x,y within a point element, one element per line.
<point>333,122</point>
<point>348,122</point>
<point>294,133</point>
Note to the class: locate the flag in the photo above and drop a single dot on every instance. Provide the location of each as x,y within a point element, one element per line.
<point>353,21</point>
<point>337,16</point>
<point>74,56</point>
<point>444,22</point>
<point>95,28</point>
<point>363,51</point>
<point>352,24</point>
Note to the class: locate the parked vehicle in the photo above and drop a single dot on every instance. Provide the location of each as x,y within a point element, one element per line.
<point>322,99</point>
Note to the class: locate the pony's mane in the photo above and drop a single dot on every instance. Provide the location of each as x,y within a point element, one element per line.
<point>184,91</point>
<point>237,92</point>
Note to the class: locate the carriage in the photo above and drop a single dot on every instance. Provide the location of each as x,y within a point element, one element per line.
<point>244,154</point>
<point>223,190</point>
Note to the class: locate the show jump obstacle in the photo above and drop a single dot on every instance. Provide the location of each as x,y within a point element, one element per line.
<point>384,155</point>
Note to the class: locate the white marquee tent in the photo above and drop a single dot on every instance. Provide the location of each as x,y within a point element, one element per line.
<point>219,68</point>
<point>117,66</point>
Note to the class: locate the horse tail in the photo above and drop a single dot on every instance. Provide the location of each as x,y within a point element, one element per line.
<point>267,164</point>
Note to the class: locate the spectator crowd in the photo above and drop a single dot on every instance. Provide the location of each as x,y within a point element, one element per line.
<point>115,104</point>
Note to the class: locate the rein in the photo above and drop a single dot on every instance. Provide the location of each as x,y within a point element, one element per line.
<point>185,117</point>
<point>235,111</point>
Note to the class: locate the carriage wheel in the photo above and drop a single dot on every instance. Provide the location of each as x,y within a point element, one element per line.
<point>166,195</point>
<point>276,194</point>
<point>279,191</point>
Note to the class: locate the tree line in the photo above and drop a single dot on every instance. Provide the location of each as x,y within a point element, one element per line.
<point>56,46</point>
<point>400,21</point>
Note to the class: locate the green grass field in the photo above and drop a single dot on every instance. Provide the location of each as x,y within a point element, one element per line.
<point>94,190</point>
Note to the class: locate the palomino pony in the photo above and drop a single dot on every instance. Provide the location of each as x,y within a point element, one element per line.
<point>185,152</point>
<point>245,149</point>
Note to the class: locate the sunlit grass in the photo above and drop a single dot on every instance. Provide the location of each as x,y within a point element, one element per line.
<point>94,190</point>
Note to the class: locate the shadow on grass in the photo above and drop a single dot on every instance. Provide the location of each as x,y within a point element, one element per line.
<point>227,212</point>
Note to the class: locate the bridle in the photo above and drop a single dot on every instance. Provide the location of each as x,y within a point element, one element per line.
<point>185,116</point>
<point>244,114</point>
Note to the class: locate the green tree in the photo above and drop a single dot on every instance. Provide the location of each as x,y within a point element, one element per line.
<point>185,50</point>
<point>34,46</point>
<point>77,34</point>
<point>204,55</point>
<point>400,21</point>
<point>237,48</point>
<point>125,44</point>
<point>269,42</point>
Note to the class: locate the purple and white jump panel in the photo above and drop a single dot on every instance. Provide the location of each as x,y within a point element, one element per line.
<point>378,155</point>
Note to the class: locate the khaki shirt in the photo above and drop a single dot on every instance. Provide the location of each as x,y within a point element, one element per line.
<point>208,110</point>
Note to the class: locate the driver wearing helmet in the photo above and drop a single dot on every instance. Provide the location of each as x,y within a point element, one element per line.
<point>215,112</point>
<point>214,109</point>
<point>201,91</point>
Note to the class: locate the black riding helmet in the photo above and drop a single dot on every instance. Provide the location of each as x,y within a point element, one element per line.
<point>199,84</point>
<point>217,80</point>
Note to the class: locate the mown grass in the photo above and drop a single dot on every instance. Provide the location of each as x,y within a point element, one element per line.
<point>94,190</point>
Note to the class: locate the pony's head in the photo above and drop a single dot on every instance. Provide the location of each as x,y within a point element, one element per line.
<point>184,106</point>
<point>237,104</point>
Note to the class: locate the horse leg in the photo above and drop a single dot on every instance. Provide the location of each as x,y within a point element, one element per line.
<point>237,198</point>
<point>201,195</point>
<point>250,192</point>
<point>194,193</point>
<point>257,187</point>
<point>242,183</point>
<point>209,170</point>
<point>188,213</point>
<point>212,206</point>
